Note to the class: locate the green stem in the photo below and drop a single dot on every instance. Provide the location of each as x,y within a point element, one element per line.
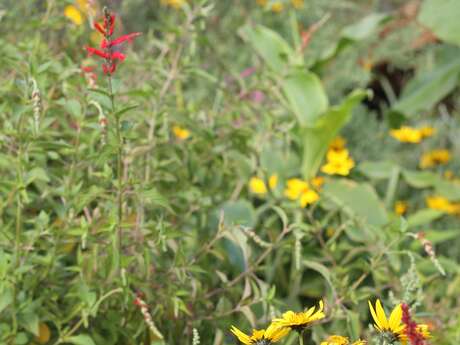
<point>301,338</point>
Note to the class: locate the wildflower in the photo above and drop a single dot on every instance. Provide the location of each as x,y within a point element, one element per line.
<point>338,144</point>
<point>391,326</point>
<point>273,181</point>
<point>257,185</point>
<point>72,13</point>
<point>261,2</point>
<point>442,204</point>
<point>435,157</point>
<point>339,340</point>
<point>415,333</point>
<point>407,134</point>
<point>181,133</point>
<point>277,7</point>
<point>77,13</point>
<point>107,51</point>
<point>401,207</point>
<point>300,321</point>
<point>298,189</point>
<point>297,3</point>
<point>427,131</point>
<point>317,182</point>
<point>267,336</point>
<point>44,333</point>
<point>338,163</point>
<point>177,4</point>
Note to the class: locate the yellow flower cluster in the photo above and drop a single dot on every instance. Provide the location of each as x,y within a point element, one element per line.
<point>338,159</point>
<point>180,133</point>
<point>258,186</point>
<point>394,325</point>
<point>442,204</point>
<point>407,134</point>
<point>177,4</point>
<point>278,6</point>
<point>401,207</point>
<point>280,327</point>
<point>297,189</point>
<point>339,340</point>
<point>78,12</point>
<point>435,157</point>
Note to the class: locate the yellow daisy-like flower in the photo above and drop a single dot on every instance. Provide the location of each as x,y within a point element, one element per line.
<point>267,336</point>
<point>427,131</point>
<point>407,134</point>
<point>401,207</point>
<point>180,133</point>
<point>393,325</point>
<point>337,144</point>
<point>338,163</point>
<point>297,3</point>
<point>442,204</point>
<point>299,321</point>
<point>257,186</point>
<point>73,14</point>
<point>298,189</point>
<point>435,157</point>
<point>277,7</point>
<point>339,340</point>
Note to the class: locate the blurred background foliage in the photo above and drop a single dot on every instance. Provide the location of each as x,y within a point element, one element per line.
<point>233,99</point>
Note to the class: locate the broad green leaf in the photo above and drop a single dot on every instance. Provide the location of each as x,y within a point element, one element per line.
<point>427,89</point>
<point>36,174</point>
<point>30,322</point>
<point>439,236</point>
<point>442,17</point>
<point>316,139</point>
<point>420,179</point>
<point>275,51</point>
<point>73,107</point>
<point>357,199</point>
<point>6,297</point>
<point>81,339</point>
<point>448,189</point>
<point>424,216</point>
<point>238,212</point>
<point>306,96</point>
<point>364,28</point>
<point>377,170</point>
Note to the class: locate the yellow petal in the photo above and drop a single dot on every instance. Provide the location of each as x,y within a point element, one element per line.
<point>381,314</point>
<point>374,316</point>
<point>244,338</point>
<point>395,318</point>
<point>73,14</point>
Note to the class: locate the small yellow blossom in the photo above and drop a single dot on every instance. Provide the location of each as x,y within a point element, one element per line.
<point>44,333</point>
<point>435,157</point>
<point>339,340</point>
<point>272,334</point>
<point>407,134</point>
<point>299,321</point>
<point>298,189</point>
<point>277,7</point>
<point>337,144</point>
<point>317,182</point>
<point>427,131</point>
<point>273,181</point>
<point>401,207</point>
<point>73,14</point>
<point>297,3</point>
<point>442,204</point>
<point>338,163</point>
<point>180,133</point>
<point>257,186</point>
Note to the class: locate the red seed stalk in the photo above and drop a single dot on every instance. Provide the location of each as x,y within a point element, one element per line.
<point>411,331</point>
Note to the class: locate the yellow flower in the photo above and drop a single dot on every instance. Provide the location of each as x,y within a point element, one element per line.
<point>277,7</point>
<point>330,231</point>
<point>317,182</point>
<point>262,2</point>
<point>435,157</point>
<point>257,186</point>
<point>44,333</point>
<point>177,4</point>
<point>401,207</point>
<point>273,181</point>
<point>392,325</point>
<point>297,3</point>
<point>339,340</point>
<point>261,337</point>
<point>73,14</point>
<point>427,131</point>
<point>338,163</point>
<point>407,134</point>
<point>449,174</point>
<point>299,321</point>
<point>180,133</point>
<point>337,144</point>
<point>298,189</point>
<point>442,204</point>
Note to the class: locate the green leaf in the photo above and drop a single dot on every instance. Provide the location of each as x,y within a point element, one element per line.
<point>316,139</point>
<point>36,174</point>
<point>420,179</point>
<point>73,107</point>
<point>120,112</point>
<point>306,96</point>
<point>30,322</point>
<point>358,200</point>
<point>441,16</point>
<point>238,212</point>
<point>424,216</point>
<point>439,236</point>
<point>275,51</point>
<point>427,89</point>
<point>81,339</point>
<point>377,170</point>
<point>364,28</point>
<point>448,189</point>
<point>321,269</point>
<point>6,297</point>
<point>154,197</point>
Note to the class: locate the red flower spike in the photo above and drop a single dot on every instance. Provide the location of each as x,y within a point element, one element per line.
<point>94,51</point>
<point>129,37</point>
<point>112,24</point>
<point>99,28</point>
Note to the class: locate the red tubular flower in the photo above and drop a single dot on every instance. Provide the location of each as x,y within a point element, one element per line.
<point>411,330</point>
<point>106,52</point>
